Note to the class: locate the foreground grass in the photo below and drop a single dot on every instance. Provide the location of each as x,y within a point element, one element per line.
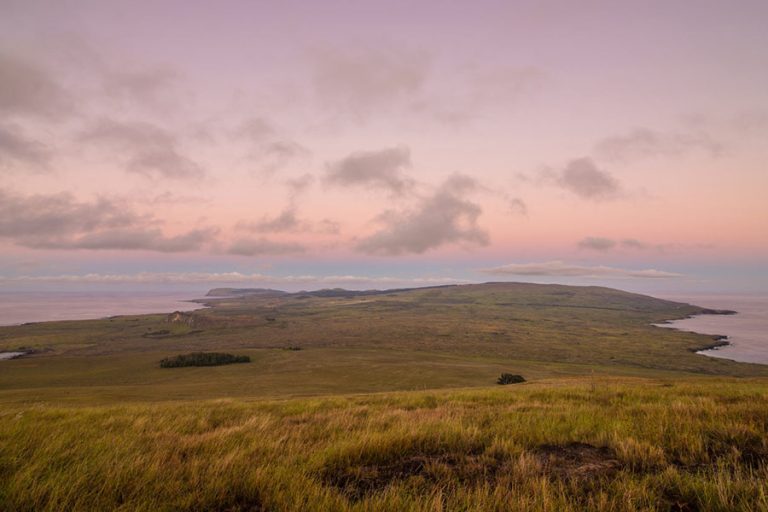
<point>571,444</point>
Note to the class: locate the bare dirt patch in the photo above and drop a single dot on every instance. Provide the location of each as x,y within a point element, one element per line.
<point>577,461</point>
<point>572,462</point>
<point>357,482</point>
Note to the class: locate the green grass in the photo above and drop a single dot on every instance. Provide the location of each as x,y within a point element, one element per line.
<point>574,444</point>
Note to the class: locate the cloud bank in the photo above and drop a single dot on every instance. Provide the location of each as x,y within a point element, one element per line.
<point>561,269</point>
<point>643,143</point>
<point>59,221</point>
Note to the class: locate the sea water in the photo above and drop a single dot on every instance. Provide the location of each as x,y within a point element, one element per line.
<point>22,307</point>
<point>747,331</point>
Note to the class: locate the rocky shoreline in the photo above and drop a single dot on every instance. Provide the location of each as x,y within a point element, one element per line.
<point>719,340</point>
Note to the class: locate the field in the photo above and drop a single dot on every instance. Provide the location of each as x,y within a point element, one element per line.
<point>559,445</point>
<point>384,402</point>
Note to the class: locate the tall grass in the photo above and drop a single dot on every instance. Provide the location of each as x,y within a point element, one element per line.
<point>649,445</point>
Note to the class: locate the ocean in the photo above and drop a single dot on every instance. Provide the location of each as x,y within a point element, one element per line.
<point>747,330</point>
<point>22,307</point>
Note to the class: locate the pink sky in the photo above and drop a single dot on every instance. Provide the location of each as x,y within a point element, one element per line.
<point>374,143</point>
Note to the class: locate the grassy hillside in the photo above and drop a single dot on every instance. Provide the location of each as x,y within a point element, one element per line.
<point>350,342</point>
<point>556,445</point>
<point>617,415</point>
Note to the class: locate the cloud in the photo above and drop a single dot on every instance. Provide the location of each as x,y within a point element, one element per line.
<point>238,277</point>
<point>561,269</point>
<point>632,243</point>
<point>17,149</point>
<point>608,244</point>
<point>443,218</point>
<point>27,89</point>
<point>643,143</point>
<point>497,85</point>
<point>374,169</point>
<point>59,214</point>
<point>299,185</point>
<point>288,221</point>
<point>264,247</point>
<point>59,221</point>
<point>148,86</point>
<point>130,239</point>
<point>145,148</point>
<point>586,180</point>
<point>359,80</point>
<point>597,243</point>
<point>518,206</point>
<point>267,146</point>
<point>285,221</point>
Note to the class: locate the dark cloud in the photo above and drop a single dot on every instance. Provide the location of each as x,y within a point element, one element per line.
<point>59,221</point>
<point>17,149</point>
<point>443,218</point>
<point>586,180</point>
<point>597,243</point>
<point>145,148</point>
<point>358,80</point>
<point>561,269</point>
<point>263,247</point>
<point>642,143</point>
<point>27,89</point>
<point>375,169</point>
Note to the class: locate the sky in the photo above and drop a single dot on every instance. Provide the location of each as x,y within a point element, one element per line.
<point>371,144</point>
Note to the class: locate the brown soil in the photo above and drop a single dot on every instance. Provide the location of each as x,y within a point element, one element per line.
<point>577,460</point>
<point>569,462</point>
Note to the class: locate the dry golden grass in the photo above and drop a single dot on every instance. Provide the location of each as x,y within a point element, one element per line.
<point>574,444</point>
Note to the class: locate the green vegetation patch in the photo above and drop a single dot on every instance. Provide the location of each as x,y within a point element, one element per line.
<point>202,359</point>
<point>510,378</point>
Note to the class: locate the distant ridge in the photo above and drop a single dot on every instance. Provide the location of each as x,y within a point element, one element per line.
<point>325,292</point>
<point>240,292</point>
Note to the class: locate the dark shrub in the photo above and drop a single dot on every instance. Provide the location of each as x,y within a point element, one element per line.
<point>202,359</point>
<point>508,378</point>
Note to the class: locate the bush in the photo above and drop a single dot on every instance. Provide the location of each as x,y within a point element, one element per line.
<point>508,378</point>
<point>202,359</point>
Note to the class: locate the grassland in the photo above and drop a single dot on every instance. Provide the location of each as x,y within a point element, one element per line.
<point>384,402</point>
<point>558,445</point>
<point>420,339</point>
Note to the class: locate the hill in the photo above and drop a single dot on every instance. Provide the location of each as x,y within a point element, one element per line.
<point>355,342</point>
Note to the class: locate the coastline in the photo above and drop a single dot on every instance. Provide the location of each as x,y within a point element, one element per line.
<point>738,333</point>
<point>719,340</point>
<point>21,308</point>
